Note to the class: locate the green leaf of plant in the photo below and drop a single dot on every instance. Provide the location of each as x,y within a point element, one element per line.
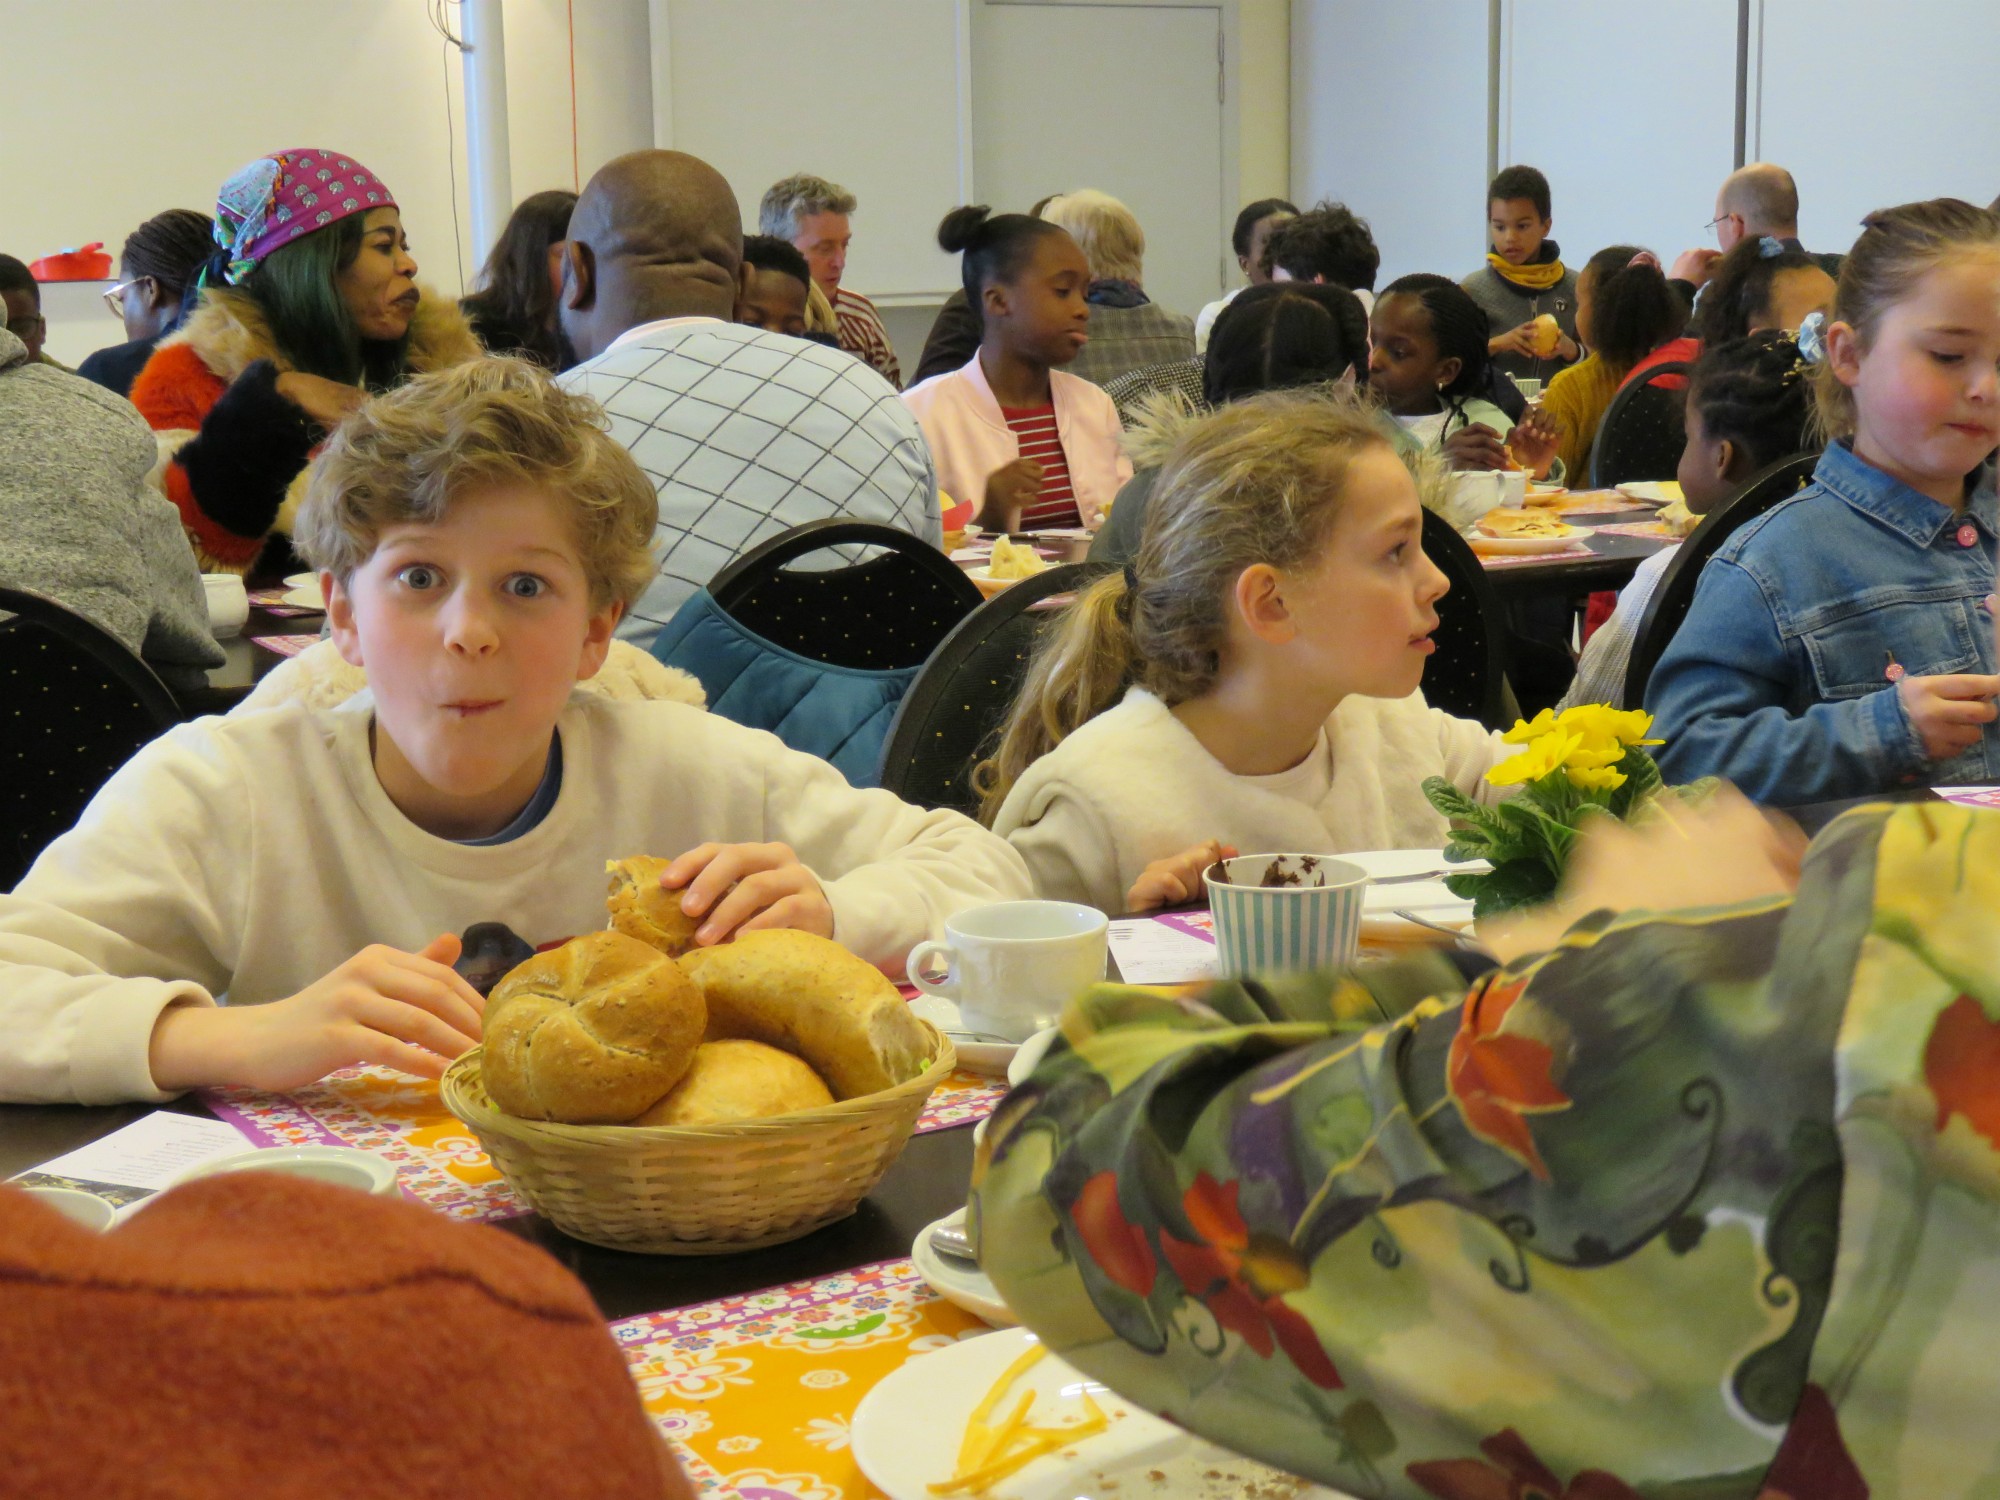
<point>1510,886</point>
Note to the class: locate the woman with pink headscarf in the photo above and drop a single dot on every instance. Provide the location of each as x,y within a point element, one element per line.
<point>309,304</point>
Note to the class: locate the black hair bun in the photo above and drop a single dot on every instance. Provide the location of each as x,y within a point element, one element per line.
<point>963,228</point>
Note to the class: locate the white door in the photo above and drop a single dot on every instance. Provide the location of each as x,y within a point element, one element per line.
<point>1123,98</point>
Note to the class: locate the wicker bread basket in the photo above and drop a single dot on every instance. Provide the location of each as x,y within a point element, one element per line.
<point>698,1190</point>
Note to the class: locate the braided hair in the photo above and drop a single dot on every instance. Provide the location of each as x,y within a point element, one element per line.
<point>1633,311</point>
<point>1739,290</point>
<point>1459,326</point>
<point>1756,392</point>
<point>170,247</point>
<point>1281,335</point>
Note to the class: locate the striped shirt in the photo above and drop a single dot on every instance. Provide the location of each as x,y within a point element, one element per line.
<point>1034,427</point>
<point>863,336</point>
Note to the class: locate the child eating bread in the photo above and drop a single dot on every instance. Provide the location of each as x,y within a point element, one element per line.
<point>478,535</point>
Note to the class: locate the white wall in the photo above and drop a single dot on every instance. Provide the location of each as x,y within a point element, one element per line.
<point>113,110</point>
<point>1389,116</point>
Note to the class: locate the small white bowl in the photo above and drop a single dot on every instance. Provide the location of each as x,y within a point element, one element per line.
<point>228,604</point>
<point>342,1166</point>
<point>87,1209</point>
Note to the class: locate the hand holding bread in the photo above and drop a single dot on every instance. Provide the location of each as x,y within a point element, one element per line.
<point>736,888</point>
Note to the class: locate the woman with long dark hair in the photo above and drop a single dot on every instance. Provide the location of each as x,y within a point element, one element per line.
<point>309,305</point>
<point>513,309</point>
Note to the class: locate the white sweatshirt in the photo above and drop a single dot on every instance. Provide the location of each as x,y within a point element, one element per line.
<point>250,856</point>
<point>1133,785</point>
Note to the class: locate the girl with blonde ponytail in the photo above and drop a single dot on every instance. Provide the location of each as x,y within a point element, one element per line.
<point>1250,680</point>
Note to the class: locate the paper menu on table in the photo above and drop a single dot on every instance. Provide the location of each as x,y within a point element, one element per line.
<point>1174,948</point>
<point>140,1159</point>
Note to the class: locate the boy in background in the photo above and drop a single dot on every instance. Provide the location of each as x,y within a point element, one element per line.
<point>1525,278</point>
<point>775,283</point>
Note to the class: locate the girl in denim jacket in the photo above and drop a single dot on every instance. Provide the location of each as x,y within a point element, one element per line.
<point>1842,644</point>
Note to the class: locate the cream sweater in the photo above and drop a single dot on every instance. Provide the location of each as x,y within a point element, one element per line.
<point>250,856</point>
<point>1133,785</point>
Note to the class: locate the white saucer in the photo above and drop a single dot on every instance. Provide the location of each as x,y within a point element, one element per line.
<point>342,1166</point>
<point>958,1281</point>
<point>988,1059</point>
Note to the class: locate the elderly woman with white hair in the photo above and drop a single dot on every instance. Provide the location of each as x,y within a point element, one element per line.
<point>1127,329</point>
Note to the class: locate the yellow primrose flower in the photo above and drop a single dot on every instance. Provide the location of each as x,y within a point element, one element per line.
<point>1596,778</point>
<point>1546,754</point>
<point>1525,731</point>
<point>1627,726</point>
<point>1593,754</point>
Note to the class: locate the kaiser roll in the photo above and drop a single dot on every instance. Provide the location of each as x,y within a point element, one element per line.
<point>640,909</point>
<point>739,1081</point>
<point>590,1033</point>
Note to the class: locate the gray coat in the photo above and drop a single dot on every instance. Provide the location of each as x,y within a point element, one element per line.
<point>1124,338</point>
<point>81,524</point>
<point>1508,306</point>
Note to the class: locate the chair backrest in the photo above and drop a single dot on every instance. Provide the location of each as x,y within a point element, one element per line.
<point>1675,592</point>
<point>887,611</point>
<point>1466,675</point>
<point>81,705</point>
<point>1643,430</point>
<point>962,696</point>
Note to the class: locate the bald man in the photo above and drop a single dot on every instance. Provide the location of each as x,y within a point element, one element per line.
<point>745,433</point>
<point>1754,201</point>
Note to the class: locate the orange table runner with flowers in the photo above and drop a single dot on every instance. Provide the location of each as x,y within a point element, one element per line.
<point>439,1161</point>
<point>757,1392</point>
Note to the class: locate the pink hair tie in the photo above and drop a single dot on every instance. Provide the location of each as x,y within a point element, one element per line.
<point>1644,258</point>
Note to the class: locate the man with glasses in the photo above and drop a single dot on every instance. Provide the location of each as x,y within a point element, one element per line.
<point>23,297</point>
<point>1754,202</point>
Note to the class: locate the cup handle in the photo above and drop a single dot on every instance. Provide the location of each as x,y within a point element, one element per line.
<point>920,957</point>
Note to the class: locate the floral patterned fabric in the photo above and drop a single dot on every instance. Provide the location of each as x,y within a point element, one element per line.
<point>1696,1206</point>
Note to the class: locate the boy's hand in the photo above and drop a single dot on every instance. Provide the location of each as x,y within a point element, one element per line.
<point>1950,714</point>
<point>1519,341</point>
<point>1534,441</point>
<point>1009,489</point>
<point>402,1010</point>
<point>1177,878</point>
<point>747,887</point>
<point>1695,265</point>
<point>1475,446</point>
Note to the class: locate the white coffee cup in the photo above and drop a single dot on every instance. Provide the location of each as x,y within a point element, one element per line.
<point>1011,967</point>
<point>1513,487</point>
<point>228,604</point>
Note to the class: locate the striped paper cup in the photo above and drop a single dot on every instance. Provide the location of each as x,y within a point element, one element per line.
<point>1283,913</point>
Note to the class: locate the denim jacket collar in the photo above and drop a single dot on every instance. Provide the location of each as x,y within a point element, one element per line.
<point>1894,504</point>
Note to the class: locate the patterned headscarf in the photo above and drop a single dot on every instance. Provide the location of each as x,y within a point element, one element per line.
<point>281,197</point>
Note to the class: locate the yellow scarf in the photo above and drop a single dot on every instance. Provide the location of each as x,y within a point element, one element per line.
<point>1537,277</point>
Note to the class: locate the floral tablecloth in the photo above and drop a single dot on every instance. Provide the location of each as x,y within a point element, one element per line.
<point>756,1392</point>
<point>439,1161</point>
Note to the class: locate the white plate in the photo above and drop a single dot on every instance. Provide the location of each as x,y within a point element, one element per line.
<point>987,1058</point>
<point>1481,542</point>
<point>1546,491</point>
<point>1651,491</point>
<point>307,597</point>
<point>958,1281</point>
<point>907,1431</point>
<point>1429,899</point>
<point>1030,1056</point>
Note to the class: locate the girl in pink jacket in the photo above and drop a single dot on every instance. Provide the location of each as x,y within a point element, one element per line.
<point>1033,448</point>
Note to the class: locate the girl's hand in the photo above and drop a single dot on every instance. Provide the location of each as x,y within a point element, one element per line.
<point>401,1010</point>
<point>1534,441</point>
<point>747,887</point>
<point>1475,446</point>
<point>1177,878</point>
<point>327,402</point>
<point>1010,489</point>
<point>1949,714</point>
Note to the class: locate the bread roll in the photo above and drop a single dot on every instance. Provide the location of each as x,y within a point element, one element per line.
<point>640,909</point>
<point>1548,335</point>
<point>739,1081</point>
<point>590,1033</point>
<point>809,996</point>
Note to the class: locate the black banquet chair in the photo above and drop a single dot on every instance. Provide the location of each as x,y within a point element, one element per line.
<point>964,692</point>
<point>1642,432</point>
<point>1675,592</point>
<point>1467,675</point>
<point>887,611</point>
<point>77,705</point>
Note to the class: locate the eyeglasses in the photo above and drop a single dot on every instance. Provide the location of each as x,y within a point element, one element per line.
<point>1719,218</point>
<point>114,297</point>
